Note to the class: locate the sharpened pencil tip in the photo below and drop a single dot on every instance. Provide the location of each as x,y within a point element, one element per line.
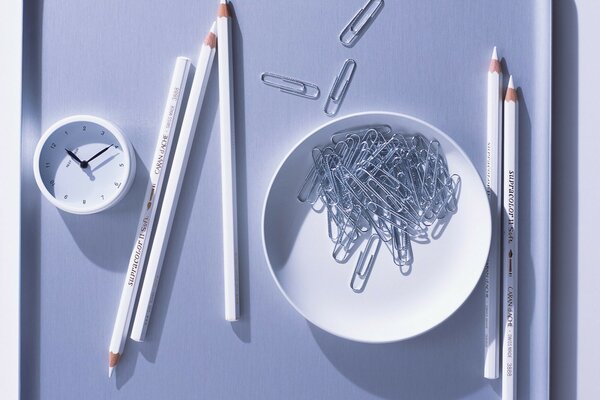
<point>113,360</point>
<point>495,63</point>
<point>511,92</point>
<point>211,37</point>
<point>223,10</point>
<point>110,371</point>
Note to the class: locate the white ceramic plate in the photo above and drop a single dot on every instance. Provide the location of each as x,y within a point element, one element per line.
<point>393,306</point>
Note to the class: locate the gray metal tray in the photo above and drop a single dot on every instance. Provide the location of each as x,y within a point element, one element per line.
<point>114,59</point>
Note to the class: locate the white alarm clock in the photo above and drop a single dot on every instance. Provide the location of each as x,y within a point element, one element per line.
<point>84,164</point>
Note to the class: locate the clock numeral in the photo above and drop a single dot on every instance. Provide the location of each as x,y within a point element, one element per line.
<point>66,133</point>
<point>118,184</point>
<point>53,145</point>
<point>102,133</point>
<point>121,165</point>
<point>102,196</point>
<point>84,202</point>
<point>116,146</point>
<point>66,196</point>
<point>47,165</point>
<point>52,183</point>
<point>84,128</point>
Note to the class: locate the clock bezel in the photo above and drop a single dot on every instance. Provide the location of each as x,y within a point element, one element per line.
<point>122,140</point>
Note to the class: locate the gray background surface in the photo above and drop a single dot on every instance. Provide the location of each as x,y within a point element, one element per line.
<point>114,59</point>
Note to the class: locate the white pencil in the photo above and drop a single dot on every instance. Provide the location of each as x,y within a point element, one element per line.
<point>228,193</point>
<point>493,183</point>
<point>144,230</point>
<point>169,204</point>
<point>510,224</point>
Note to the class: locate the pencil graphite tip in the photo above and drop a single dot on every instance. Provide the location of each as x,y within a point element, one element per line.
<point>495,54</point>
<point>110,371</point>
<point>511,84</point>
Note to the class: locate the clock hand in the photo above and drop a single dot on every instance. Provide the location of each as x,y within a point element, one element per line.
<point>73,156</point>
<point>100,152</point>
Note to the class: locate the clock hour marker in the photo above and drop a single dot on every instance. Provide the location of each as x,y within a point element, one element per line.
<point>47,165</point>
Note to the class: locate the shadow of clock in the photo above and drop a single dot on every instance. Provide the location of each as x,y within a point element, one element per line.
<point>105,238</point>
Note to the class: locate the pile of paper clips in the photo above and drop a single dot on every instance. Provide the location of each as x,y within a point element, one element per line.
<point>380,186</point>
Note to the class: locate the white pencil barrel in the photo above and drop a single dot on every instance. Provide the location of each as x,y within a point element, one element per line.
<point>494,192</point>
<point>228,171</point>
<point>153,191</point>
<point>510,250</point>
<point>169,204</point>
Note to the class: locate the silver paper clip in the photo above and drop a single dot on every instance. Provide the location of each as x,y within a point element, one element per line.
<point>361,20</point>
<point>291,85</point>
<point>362,272</point>
<point>339,88</point>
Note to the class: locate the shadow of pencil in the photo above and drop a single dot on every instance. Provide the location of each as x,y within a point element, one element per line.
<point>243,325</point>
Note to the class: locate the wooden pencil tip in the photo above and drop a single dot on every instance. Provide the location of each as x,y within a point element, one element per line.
<point>495,63</point>
<point>211,39</point>
<point>495,66</point>
<point>113,359</point>
<point>223,10</point>
<point>511,92</point>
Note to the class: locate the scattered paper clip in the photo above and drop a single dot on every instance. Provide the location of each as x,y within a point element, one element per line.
<point>291,85</point>
<point>339,88</point>
<point>362,273</point>
<point>360,22</point>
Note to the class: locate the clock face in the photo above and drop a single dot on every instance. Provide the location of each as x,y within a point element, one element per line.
<point>84,165</point>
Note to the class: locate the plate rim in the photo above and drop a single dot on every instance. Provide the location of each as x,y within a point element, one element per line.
<point>270,186</point>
